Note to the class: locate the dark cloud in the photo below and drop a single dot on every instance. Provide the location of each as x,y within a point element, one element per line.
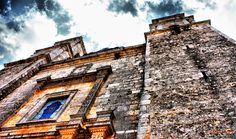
<point>6,49</point>
<point>166,8</point>
<point>209,4</point>
<point>123,6</point>
<point>4,4</point>
<point>19,7</point>
<point>17,26</point>
<point>11,9</point>
<point>154,9</point>
<point>55,11</point>
<point>14,15</point>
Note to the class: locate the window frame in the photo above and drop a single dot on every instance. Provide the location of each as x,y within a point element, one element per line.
<point>39,104</point>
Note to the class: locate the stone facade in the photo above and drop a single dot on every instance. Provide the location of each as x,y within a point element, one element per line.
<point>181,83</point>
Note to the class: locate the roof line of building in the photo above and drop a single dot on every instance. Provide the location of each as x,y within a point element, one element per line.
<point>94,54</point>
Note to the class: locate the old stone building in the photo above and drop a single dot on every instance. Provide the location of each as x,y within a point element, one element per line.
<point>181,83</point>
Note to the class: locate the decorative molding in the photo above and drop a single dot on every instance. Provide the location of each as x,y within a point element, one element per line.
<point>84,67</point>
<point>102,74</point>
<point>80,128</point>
<point>33,135</point>
<point>72,131</point>
<point>103,127</point>
<point>89,99</point>
<point>83,77</point>
<point>98,56</point>
<point>27,119</point>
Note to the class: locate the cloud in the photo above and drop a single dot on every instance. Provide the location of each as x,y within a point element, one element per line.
<point>166,8</point>
<point>20,37</point>
<point>103,28</point>
<point>38,32</point>
<point>4,7</point>
<point>17,26</point>
<point>208,4</point>
<point>14,8</point>
<point>221,17</point>
<point>123,6</point>
<point>55,11</point>
<point>6,47</point>
<point>27,25</point>
<point>152,8</point>
<point>20,7</point>
<point>5,54</point>
<point>91,42</point>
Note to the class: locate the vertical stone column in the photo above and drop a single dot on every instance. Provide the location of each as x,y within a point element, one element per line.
<point>70,51</point>
<point>144,115</point>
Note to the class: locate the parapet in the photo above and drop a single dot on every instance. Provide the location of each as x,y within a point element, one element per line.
<point>166,22</point>
<point>65,49</point>
<point>76,44</point>
<point>174,23</point>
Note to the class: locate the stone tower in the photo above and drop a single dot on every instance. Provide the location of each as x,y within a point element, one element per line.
<point>181,83</point>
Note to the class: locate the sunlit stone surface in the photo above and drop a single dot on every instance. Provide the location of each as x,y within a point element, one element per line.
<point>179,84</point>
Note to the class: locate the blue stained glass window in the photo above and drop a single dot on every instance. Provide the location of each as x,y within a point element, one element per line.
<point>51,108</point>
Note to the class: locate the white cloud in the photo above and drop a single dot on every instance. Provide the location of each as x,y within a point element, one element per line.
<point>106,29</point>
<point>39,32</point>
<point>222,17</point>
<point>7,39</point>
<point>103,28</point>
<point>2,56</point>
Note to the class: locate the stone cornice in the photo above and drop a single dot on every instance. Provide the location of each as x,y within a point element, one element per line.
<point>95,56</point>
<point>20,78</point>
<point>182,26</point>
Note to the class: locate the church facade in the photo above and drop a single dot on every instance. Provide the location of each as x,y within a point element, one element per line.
<point>181,83</point>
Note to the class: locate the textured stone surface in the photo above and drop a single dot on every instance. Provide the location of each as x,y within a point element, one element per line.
<point>121,93</point>
<point>192,77</point>
<point>8,73</point>
<point>180,84</point>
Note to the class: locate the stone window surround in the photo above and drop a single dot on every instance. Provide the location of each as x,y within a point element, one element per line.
<point>27,119</point>
<point>103,122</point>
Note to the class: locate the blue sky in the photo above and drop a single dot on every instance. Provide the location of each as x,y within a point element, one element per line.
<point>28,25</point>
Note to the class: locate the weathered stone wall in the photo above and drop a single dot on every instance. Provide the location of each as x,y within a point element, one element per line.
<point>25,72</point>
<point>8,73</point>
<point>192,84</point>
<point>33,102</point>
<point>21,94</point>
<point>121,92</point>
<point>180,85</point>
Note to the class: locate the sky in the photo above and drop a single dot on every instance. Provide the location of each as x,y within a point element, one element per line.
<point>28,25</point>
